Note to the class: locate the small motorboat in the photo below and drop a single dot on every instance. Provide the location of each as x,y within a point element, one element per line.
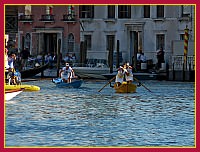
<point>9,94</point>
<point>74,84</point>
<point>125,88</point>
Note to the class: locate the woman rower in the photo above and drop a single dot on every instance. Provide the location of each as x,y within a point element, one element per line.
<point>120,76</point>
<point>128,73</point>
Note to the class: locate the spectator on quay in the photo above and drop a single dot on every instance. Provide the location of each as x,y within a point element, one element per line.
<point>73,58</point>
<point>160,57</point>
<point>49,59</point>
<point>24,56</point>
<point>67,58</point>
<point>6,59</point>
<point>11,69</point>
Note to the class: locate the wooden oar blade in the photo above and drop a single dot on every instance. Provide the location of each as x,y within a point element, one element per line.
<point>107,84</point>
<point>142,84</point>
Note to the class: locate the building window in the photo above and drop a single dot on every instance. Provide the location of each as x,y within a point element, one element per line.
<point>182,37</point>
<point>70,42</point>
<point>48,17</point>
<point>27,40</point>
<point>88,40</point>
<point>160,11</point>
<point>146,11</point>
<point>27,10</point>
<point>110,39</point>
<point>49,10</point>
<point>86,11</point>
<point>27,16</point>
<point>160,41</point>
<point>124,11</point>
<point>111,11</point>
<point>185,10</point>
<point>70,15</point>
<point>70,10</point>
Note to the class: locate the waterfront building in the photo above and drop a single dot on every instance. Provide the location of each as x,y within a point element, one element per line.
<point>48,29</point>
<point>134,27</point>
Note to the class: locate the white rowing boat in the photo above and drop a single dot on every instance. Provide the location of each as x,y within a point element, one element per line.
<point>9,94</point>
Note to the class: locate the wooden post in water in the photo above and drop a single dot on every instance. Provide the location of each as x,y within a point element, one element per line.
<point>43,58</point>
<point>117,64</point>
<point>81,52</point>
<point>84,51</point>
<point>173,72</point>
<point>58,57</point>
<point>183,72</point>
<point>110,57</point>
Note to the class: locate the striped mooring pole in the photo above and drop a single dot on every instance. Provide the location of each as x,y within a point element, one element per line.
<point>186,45</point>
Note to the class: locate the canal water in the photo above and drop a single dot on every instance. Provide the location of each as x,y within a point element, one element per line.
<point>85,117</point>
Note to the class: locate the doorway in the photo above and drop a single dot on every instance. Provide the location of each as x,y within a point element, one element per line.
<point>50,43</point>
<point>134,37</point>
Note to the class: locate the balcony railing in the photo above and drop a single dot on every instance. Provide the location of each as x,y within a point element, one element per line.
<point>69,18</point>
<point>178,61</point>
<point>26,18</point>
<point>47,18</point>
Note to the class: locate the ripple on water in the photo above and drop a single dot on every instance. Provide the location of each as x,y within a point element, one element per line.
<point>85,117</point>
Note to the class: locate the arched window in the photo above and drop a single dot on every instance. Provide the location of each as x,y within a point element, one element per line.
<point>70,42</point>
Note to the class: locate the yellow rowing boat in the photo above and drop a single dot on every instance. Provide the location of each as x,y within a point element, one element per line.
<point>125,88</point>
<point>25,87</point>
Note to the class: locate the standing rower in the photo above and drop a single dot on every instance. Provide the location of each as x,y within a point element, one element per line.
<point>128,73</point>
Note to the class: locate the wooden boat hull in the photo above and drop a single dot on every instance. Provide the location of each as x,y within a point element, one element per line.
<point>125,88</point>
<point>9,94</point>
<point>33,71</point>
<point>73,84</point>
<point>25,87</point>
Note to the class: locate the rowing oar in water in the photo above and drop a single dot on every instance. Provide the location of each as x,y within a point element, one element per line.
<point>141,84</point>
<point>107,83</point>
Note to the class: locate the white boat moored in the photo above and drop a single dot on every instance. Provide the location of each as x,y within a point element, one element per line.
<point>9,94</point>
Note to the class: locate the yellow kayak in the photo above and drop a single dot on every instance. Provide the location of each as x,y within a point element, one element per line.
<point>25,87</point>
<point>125,88</point>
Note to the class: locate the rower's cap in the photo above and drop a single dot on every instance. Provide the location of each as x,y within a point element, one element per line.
<point>67,64</point>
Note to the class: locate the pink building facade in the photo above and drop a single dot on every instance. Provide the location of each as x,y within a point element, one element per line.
<point>49,29</point>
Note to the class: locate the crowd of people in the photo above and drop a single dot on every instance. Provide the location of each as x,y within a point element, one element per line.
<point>12,76</point>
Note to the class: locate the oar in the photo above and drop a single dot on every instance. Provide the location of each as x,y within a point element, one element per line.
<point>141,84</point>
<point>107,83</point>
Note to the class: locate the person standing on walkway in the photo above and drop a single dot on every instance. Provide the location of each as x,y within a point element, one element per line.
<point>24,56</point>
<point>160,57</point>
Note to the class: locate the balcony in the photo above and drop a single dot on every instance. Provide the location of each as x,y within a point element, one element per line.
<point>26,18</point>
<point>69,18</point>
<point>47,18</point>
